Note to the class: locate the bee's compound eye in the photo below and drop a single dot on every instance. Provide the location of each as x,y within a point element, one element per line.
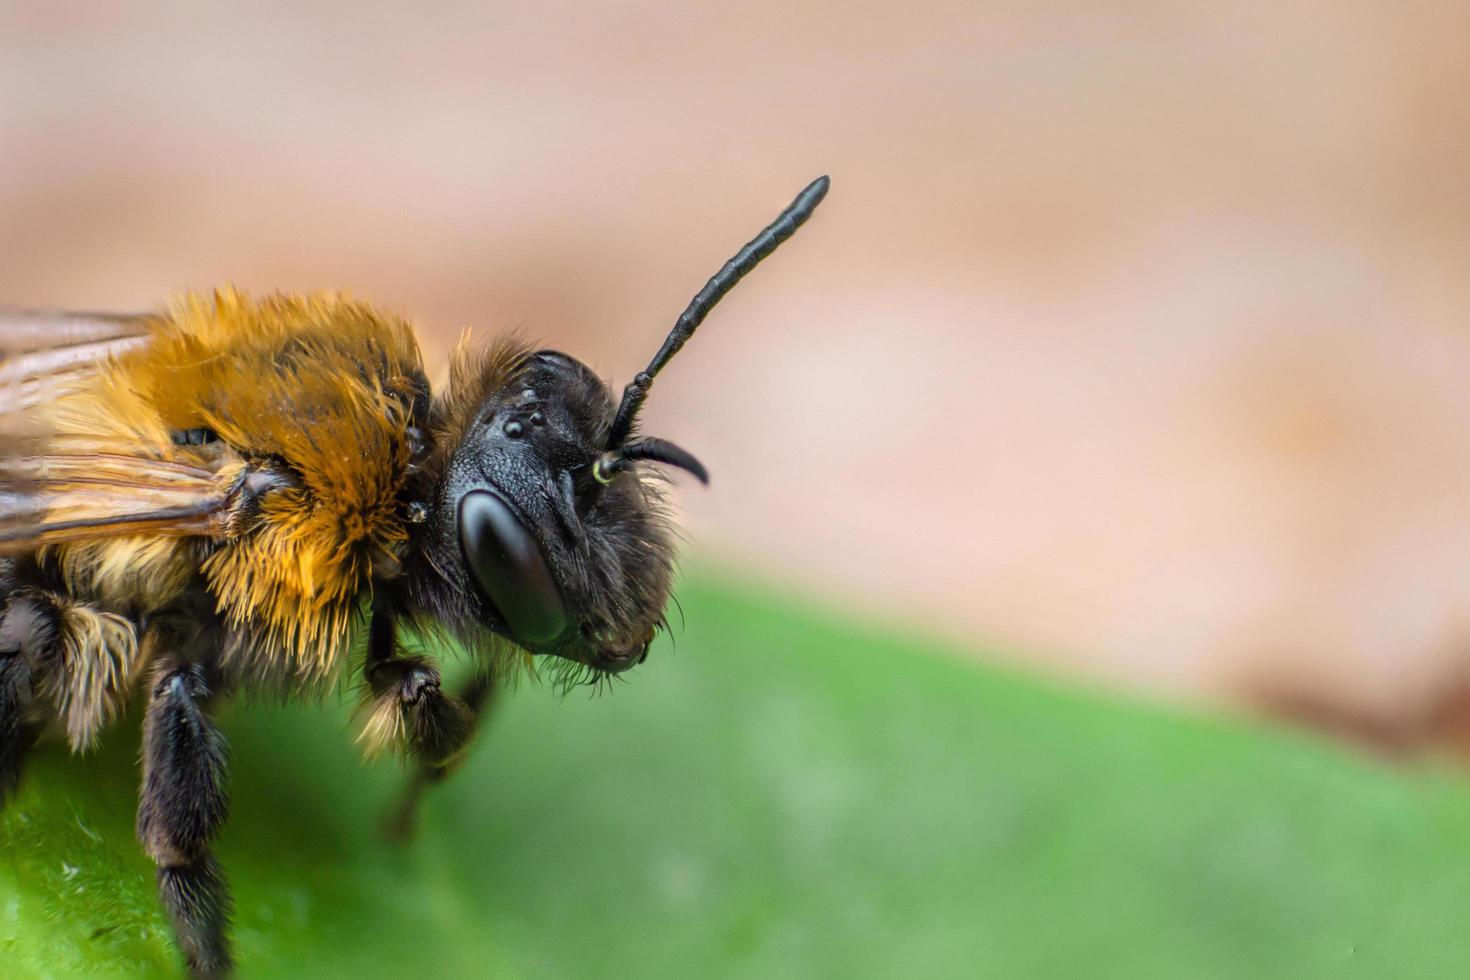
<point>510,569</point>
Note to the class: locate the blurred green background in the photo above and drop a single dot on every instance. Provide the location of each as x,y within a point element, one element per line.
<point>790,793</point>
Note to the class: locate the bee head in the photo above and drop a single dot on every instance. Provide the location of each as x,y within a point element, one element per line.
<point>543,546</point>
<point>547,524</point>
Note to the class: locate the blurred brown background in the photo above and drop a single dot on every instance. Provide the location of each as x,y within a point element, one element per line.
<point>1133,337</point>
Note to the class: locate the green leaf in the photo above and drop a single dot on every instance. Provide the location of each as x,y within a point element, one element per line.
<point>783,796</point>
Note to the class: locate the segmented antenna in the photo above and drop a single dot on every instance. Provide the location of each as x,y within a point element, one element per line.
<point>618,459</point>
<point>720,283</point>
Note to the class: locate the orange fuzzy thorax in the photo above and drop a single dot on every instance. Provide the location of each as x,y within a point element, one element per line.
<point>322,384</point>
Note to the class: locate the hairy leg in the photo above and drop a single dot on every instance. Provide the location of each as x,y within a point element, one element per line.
<point>410,710</point>
<point>477,696</point>
<point>17,728</point>
<point>80,658</point>
<point>181,807</point>
<point>28,630</point>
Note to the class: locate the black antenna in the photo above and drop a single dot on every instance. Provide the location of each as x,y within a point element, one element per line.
<point>614,461</point>
<point>720,283</point>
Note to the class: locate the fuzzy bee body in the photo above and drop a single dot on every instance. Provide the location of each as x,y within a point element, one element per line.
<point>230,493</point>
<point>263,447</point>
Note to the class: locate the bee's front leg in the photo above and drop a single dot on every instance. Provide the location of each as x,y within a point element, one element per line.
<point>475,697</point>
<point>409,708</point>
<point>410,711</point>
<point>181,807</point>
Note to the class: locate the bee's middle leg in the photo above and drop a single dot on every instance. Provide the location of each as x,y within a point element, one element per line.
<point>181,807</point>
<point>28,629</point>
<point>17,732</point>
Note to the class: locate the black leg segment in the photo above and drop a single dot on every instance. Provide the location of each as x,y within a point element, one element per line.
<point>28,627</point>
<point>17,729</point>
<point>475,698</point>
<point>435,728</point>
<point>409,709</point>
<point>182,806</point>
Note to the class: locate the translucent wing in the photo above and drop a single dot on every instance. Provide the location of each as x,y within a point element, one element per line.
<point>73,486</point>
<point>44,354</point>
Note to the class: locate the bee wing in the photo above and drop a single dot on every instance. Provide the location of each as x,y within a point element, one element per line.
<point>66,496</point>
<point>44,354</point>
<point>57,488</point>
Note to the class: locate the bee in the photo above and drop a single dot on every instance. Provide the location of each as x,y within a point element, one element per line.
<point>246,494</point>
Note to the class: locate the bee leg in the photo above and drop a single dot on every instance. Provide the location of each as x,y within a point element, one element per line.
<point>17,732</point>
<point>181,807</point>
<point>475,697</point>
<point>410,709</point>
<point>28,629</point>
